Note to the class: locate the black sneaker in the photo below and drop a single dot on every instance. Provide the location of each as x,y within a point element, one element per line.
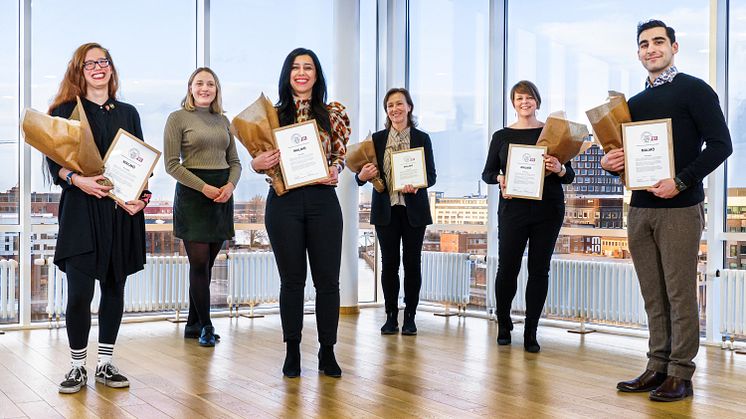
<point>108,375</point>
<point>74,380</point>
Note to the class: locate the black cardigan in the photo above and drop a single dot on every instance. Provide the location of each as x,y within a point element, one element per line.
<point>93,234</point>
<point>418,205</point>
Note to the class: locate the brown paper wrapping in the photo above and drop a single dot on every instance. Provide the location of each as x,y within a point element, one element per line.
<point>253,128</point>
<point>607,121</point>
<point>564,139</point>
<point>68,142</point>
<point>358,155</point>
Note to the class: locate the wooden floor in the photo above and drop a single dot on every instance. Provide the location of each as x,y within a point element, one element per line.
<point>452,369</point>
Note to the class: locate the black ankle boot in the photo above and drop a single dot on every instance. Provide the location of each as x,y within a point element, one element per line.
<point>409,328</point>
<point>504,326</point>
<point>291,367</point>
<point>391,327</point>
<point>328,363</point>
<point>529,336</point>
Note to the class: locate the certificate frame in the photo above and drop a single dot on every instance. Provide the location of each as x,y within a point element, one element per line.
<point>140,156</point>
<point>284,138</point>
<point>655,128</point>
<point>418,156</point>
<point>516,148</point>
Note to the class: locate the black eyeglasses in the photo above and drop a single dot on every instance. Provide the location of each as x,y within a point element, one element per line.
<point>91,64</point>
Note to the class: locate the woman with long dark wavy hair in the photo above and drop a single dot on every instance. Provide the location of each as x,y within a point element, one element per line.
<point>98,238</point>
<point>308,220</point>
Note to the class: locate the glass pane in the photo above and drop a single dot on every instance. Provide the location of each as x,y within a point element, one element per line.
<point>549,46</point>
<point>9,112</point>
<point>367,122</point>
<point>449,84</point>
<point>10,283</point>
<point>736,199</point>
<point>152,75</point>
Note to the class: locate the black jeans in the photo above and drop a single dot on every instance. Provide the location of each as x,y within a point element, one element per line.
<point>307,219</point>
<point>80,289</point>
<point>390,236</point>
<point>521,221</point>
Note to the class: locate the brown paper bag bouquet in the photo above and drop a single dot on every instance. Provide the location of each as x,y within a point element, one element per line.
<point>607,120</point>
<point>253,127</point>
<point>564,139</point>
<point>68,142</point>
<point>361,153</point>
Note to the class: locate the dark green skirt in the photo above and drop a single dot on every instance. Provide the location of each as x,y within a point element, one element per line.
<point>198,218</point>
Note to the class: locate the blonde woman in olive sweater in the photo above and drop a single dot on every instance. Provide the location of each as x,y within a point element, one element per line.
<point>200,153</point>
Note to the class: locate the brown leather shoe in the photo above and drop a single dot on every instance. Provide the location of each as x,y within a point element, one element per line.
<point>648,380</point>
<point>672,389</point>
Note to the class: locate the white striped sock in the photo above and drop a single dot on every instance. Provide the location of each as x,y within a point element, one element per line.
<point>78,357</point>
<point>105,353</point>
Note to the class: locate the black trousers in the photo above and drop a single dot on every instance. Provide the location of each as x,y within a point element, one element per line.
<point>521,221</point>
<point>307,220</point>
<point>390,237</point>
<point>80,288</point>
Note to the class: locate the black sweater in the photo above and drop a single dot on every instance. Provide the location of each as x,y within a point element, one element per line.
<point>696,120</point>
<point>497,159</point>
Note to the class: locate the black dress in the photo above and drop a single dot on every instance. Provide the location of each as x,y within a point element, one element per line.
<point>96,236</point>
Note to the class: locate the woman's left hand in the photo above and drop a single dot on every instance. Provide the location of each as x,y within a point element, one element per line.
<point>552,163</point>
<point>225,193</point>
<point>333,178</point>
<point>132,207</point>
<point>408,189</point>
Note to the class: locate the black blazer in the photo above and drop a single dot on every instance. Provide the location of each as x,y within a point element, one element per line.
<point>418,205</point>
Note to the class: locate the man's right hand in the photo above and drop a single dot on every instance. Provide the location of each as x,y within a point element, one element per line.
<point>613,161</point>
<point>368,172</point>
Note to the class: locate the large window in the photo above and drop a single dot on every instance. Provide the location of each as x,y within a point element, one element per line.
<point>152,72</point>
<point>9,113</point>
<point>736,200</point>
<point>575,54</point>
<point>448,79</point>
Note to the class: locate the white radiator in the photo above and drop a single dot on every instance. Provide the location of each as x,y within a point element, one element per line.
<point>446,278</point>
<point>592,291</point>
<point>732,302</point>
<point>163,285</point>
<point>253,279</point>
<point>8,301</point>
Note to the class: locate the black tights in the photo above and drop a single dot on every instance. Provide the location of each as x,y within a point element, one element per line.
<point>201,259</point>
<point>80,288</point>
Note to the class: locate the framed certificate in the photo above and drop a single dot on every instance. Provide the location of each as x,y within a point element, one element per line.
<point>648,153</point>
<point>128,164</point>
<point>408,168</point>
<point>302,159</point>
<point>524,172</point>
